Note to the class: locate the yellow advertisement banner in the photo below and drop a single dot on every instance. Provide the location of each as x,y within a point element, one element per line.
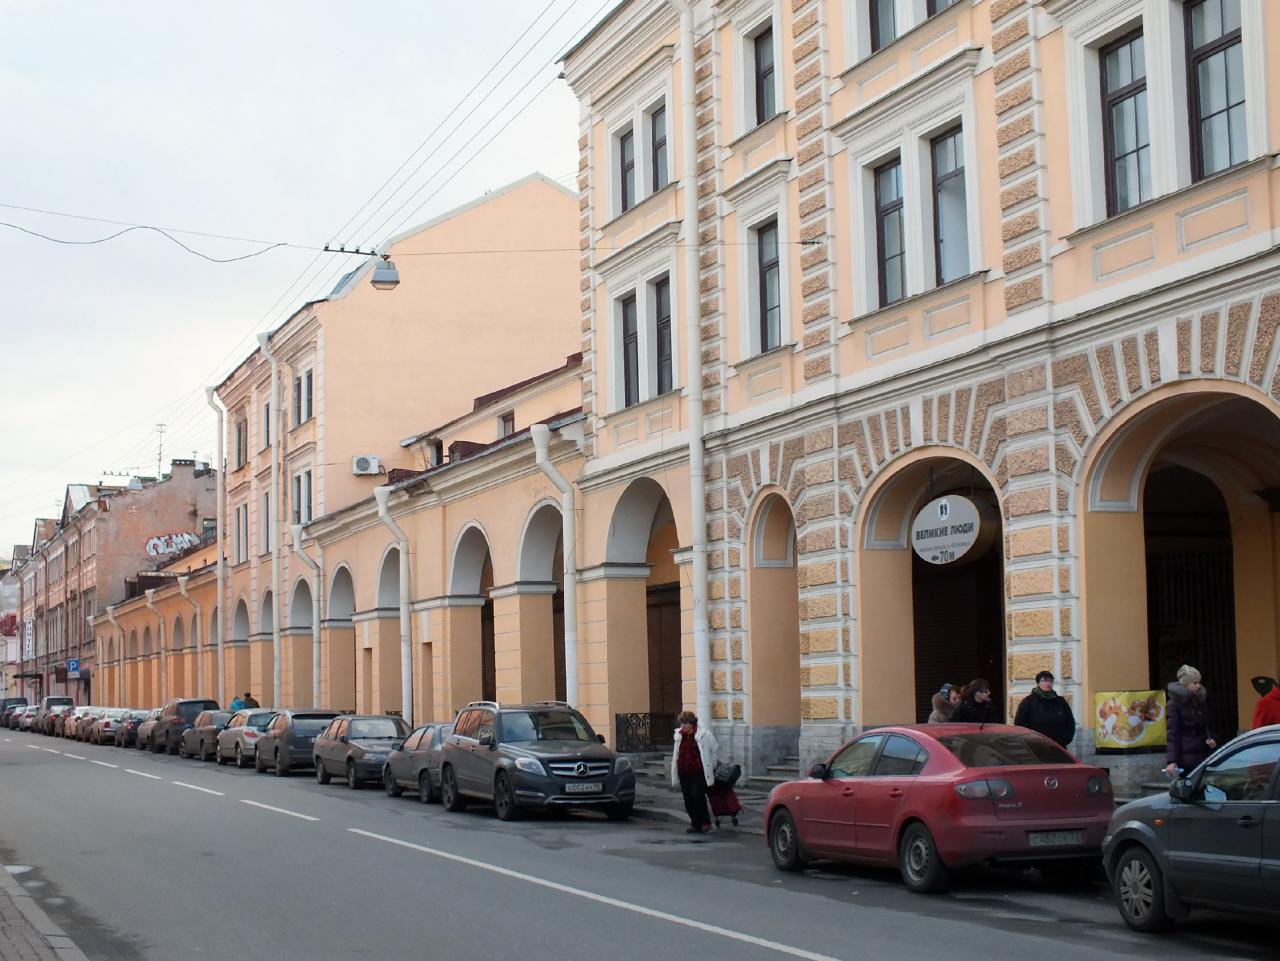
<point>1129,720</point>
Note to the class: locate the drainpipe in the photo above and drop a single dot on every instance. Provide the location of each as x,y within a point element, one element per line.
<point>182,589</point>
<point>264,341</point>
<point>161,648</point>
<point>382,495</point>
<point>693,358</point>
<point>221,475</point>
<point>315,612</point>
<point>541,435</point>
<point>111,616</point>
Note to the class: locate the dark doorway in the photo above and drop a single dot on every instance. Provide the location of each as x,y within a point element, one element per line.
<point>557,634</point>
<point>665,696</point>
<point>488,667</point>
<point>1190,588</point>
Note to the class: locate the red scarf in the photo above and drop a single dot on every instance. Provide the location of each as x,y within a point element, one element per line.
<point>689,758</point>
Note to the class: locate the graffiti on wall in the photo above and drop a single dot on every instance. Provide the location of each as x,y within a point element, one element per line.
<point>171,543</point>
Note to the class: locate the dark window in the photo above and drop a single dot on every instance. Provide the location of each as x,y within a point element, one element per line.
<point>855,760</point>
<point>627,169</point>
<point>630,353</point>
<point>266,425</point>
<point>884,25</point>
<point>308,395</point>
<point>662,332</point>
<point>484,725</point>
<point>1215,55</point>
<point>242,442</point>
<point>388,727</point>
<point>769,294</point>
<point>950,218</point>
<point>901,757</point>
<point>934,7</point>
<point>257,721</point>
<point>310,725</point>
<point>555,725</point>
<point>981,749</point>
<point>1243,776</point>
<point>658,147</point>
<point>1125,137</point>
<point>467,724</point>
<point>297,401</point>
<point>507,424</point>
<point>411,744</point>
<point>766,92</point>
<point>890,250</point>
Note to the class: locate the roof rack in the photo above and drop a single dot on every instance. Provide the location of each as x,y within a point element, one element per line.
<point>550,704</point>
<point>493,704</point>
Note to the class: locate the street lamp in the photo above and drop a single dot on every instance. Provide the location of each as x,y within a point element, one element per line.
<point>385,276</point>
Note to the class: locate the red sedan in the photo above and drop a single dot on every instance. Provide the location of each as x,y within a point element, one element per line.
<point>935,798</point>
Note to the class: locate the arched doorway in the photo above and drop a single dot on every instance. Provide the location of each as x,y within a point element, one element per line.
<point>338,644</point>
<point>472,576</point>
<point>300,607</point>
<point>236,657</point>
<point>177,660</point>
<point>297,686</point>
<point>773,624</point>
<point>540,575</point>
<point>929,613</point>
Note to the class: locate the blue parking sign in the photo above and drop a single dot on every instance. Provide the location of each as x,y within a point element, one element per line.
<point>73,667</point>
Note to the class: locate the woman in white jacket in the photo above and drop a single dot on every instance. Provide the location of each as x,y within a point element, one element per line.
<point>693,767</point>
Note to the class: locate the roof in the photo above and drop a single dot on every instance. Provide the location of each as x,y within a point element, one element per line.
<point>587,37</point>
<point>271,333</point>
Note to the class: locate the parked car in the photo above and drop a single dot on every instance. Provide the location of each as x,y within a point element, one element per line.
<point>104,726</point>
<point>239,739</point>
<point>356,747</point>
<point>177,716</point>
<point>71,721</point>
<point>125,732</point>
<point>415,763</point>
<point>932,799</point>
<point>201,738</point>
<point>7,706</point>
<point>23,718</point>
<point>532,756</point>
<point>142,738</point>
<point>86,722</point>
<point>287,741</point>
<point>55,722</point>
<point>1212,841</point>
<point>47,705</point>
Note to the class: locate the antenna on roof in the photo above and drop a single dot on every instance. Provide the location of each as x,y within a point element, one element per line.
<point>159,448</point>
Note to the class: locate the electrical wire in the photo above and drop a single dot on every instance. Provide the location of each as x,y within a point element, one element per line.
<point>127,230</point>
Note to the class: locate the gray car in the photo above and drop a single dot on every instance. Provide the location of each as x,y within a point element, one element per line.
<point>415,764</point>
<point>1212,841</point>
<point>287,741</point>
<point>355,747</point>
<point>238,741</point>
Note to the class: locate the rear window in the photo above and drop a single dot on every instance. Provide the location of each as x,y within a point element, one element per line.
<point>55,701</point>
<point>189,709</point>
<point>310,723</point>
<point>377,727</point>
<point>989,749</point>
<point>259,721</point>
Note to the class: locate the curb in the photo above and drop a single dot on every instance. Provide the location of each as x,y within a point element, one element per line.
<point>53,935</point>
<point>649,812</point>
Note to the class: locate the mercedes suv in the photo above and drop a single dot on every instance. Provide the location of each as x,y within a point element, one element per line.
<point>532,756</point>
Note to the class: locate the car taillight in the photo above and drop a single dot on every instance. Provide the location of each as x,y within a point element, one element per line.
<point>993,788</point>
<point>1099,784</point>
<point>251,734</point>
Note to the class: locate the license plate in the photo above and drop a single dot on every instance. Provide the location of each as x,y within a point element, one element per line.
<point>1050,839</point>
<point>589,787</point>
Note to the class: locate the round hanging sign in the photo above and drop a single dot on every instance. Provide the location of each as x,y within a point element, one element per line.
<point>946,529</point>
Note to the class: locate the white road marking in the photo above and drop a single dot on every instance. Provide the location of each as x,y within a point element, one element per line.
<point>268,807</point>
<point>602,899</point>
<point>154,777</point>
<point>75,757</point>
<point>34,747</point>
<point>7,739</point>
<point>51,750</point>
<point>103,763</point>
<point>196,787</point>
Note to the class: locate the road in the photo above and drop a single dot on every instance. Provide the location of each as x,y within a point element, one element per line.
<point>151,858</point>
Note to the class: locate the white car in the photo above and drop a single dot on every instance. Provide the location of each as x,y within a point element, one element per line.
<point>238,741</point>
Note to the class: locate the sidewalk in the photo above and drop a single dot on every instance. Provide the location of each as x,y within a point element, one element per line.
<point>26,932</point>
<point>656,800</point>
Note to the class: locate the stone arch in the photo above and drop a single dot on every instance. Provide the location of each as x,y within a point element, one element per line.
<point>240,622</point>
<point>178,635</point>
<point>212,636</point>
<point>389,578</point>
<point>773,621</point>
<point>146,641</point>
<point>338,644</point>
<point>111,649</point>
<point>470,555</point>
<point>300,604</point>
<point>132,649</point>
<point>641,509</point>
<point>540,577</point>
<point>539,541</point>
<point>471,576</point>
<point>267,616</point>
<point>342,594</point>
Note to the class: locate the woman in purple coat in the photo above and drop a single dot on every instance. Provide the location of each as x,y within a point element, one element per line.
<point>1188,739</point>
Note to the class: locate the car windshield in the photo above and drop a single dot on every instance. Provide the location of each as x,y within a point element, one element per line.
<point>991,749</point>
<point>139,715</point>
<point>377,727</point>
<point>545,726</point>
<point>310,724</point>
<point>114,712</point>
<point>189,709</point>
<point>259,721</point>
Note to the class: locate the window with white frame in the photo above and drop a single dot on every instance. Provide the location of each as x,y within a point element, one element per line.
<point>241,521</point>
<point>1215,70</point>
<point>874,24</point>
<point>264,527</point>
<point>662,333</point>
<point>659,169</point>
<point>630,350</point>
<point>891,244</point>
<point>768,286</point>
<point>506,424</point>
<point>1126,132</point>
<point>643,353</point>
<point>303,397</point>
<point>884,23</point>
<point>626,170</point>
<point>764,81</point>
<point>266,425</point>
<point>302,497</point>
<point>950,212</point>
<point>242,440</point>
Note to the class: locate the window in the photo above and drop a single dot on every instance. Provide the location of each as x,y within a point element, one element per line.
<point>302,497</point>
<point>766,90</point>
<point>297,400</point>
<point>630,352</point>
<point>658,148</point>
<point>241,516</point>
<point>1215,68</point>
<point>466,726</point>
<point>265,526</point>
<point>890,249</point>
<point>769,293</point>
<point>662,332</point>
<point>950,224</point>
<point>1244,776</point>
<point>507,424</point>
<point>884,24</point>
<point>987,749</point>
<point>627,170</point>
<point>1125,135</point>
<point>484,725</point>
<point>935,7</point>
<point>308,395</point>
<point>242,442</point>
<point>266,425</point>
<point>855,760</point>
<point>901,757</point>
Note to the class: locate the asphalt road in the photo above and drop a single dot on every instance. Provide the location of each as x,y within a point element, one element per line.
<point>146,858</point>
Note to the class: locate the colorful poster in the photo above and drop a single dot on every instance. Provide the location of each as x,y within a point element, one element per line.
<point>1129,720</point>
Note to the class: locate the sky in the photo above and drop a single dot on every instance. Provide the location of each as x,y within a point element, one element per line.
<point>286,122</point>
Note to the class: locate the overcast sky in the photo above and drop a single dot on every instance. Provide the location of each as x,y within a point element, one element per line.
<point>270,121</point>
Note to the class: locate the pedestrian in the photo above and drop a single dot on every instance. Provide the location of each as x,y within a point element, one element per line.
<point>1188,739</point>
<point>1047,712</point>
<point>250,700</point>
<point>1268,709</point>
<point>237,704</point>
<point>693,765</point>
<point>945,703</point>
<point>975,704</point>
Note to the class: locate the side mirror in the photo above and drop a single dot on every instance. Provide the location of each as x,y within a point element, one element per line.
<point>600,738</point>
<point>486,741</point>
<point>818,772</point>
<point>398,746</point>
<point>1182,790</point>
<point>342,738</point>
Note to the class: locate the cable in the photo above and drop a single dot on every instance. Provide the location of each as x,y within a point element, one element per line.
<point>162,233</point>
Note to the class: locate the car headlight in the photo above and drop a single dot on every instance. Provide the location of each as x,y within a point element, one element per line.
<point>621,764</point>
<point>530,765</point>
<point>375,756</point>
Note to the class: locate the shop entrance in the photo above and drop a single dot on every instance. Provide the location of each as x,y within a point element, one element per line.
<point>664,649</point>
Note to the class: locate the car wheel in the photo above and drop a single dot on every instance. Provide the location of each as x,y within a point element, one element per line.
<point>449,794</point>
<point>353,780</point>
<point>220,757</point>
<point>281,765</point>
<point>182,749</point>
<point>919,862</point>
<point>1139,887</point>
<point>620,811</point>
<point>784,842</point>
<point>171,744</point>
<point>504,799</point>
<point>322,773</point>
<point>389,782</point>
<point>258,765</point>
<point>426,792</point>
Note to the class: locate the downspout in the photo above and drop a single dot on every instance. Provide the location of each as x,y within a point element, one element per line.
<point>161,648</point>
<point>315,612</point>
<point>382,495</point>
<point>264,342</point>
<point>182,589</point>
<point>111,616</point>
<point>541,435</point>
<point>221,606</point>
<point>693,359</point>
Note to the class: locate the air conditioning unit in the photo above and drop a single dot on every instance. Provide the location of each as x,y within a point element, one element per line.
<point>364,464</point>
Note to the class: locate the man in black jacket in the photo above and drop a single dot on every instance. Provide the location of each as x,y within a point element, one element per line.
<point>1046,712</point>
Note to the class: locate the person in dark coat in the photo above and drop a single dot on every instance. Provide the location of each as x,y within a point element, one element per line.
<point>1046,712</point>
<point>975,704</point>
<point>1188,739</point>
<point>250,700</point>
<point>945,703</point>
<point>693,765</point>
